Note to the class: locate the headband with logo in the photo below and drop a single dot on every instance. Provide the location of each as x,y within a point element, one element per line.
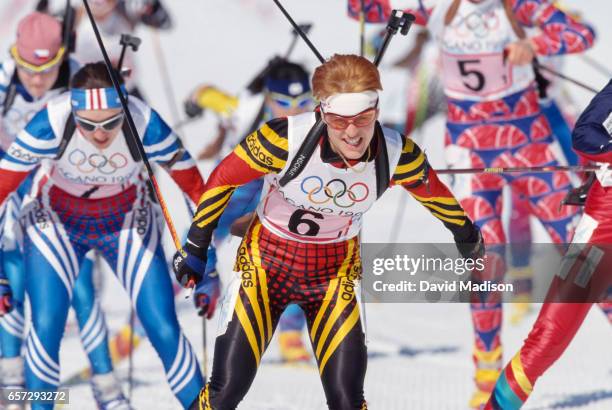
<point>348,104</point>
<point>95,98</point>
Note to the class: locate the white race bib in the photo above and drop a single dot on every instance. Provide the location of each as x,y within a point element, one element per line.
<point>332,208</point>
<point>472,48</point>
<point>324,203</point>
<point>477,74</point>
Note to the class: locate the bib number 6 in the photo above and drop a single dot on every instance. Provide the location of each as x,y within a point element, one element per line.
<point>299,221</point>
<point>477,78</point>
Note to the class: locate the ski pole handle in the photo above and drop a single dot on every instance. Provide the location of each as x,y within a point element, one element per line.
<point>306,29</point>
<point>398,21</point>
<point>126,41</point>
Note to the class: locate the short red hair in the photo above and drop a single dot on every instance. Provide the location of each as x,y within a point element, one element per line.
<point>345,73</point>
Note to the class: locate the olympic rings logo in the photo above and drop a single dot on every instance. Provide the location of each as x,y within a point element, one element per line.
<point>88,164</point>
<point>479,24</point>
<point>335,190</point>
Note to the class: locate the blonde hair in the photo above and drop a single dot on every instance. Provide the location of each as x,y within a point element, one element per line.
<point>345,73</point>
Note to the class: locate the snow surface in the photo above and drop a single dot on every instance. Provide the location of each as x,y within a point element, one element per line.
<point>420,355</point>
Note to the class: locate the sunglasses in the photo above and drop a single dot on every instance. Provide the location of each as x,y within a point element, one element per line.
<point>38,69</point>
<point>106,125</point>
<point>340,122</point>
<point>286,101</point>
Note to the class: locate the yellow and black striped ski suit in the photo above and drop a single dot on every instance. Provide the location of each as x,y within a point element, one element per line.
<point>273,272</point>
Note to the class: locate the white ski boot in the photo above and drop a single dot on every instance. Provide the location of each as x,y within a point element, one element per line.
<point>12,378</point>
<point>107,392</point>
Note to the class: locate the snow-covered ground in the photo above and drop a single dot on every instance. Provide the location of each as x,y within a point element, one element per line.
<point>420,355</point>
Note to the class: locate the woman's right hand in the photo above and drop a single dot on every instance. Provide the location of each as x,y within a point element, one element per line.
<point>189,264</point>
<point>521,52</point>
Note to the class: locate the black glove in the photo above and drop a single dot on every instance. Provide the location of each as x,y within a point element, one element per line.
<point>472,246</point>
<point>192,109</point>
<point>189,265</point>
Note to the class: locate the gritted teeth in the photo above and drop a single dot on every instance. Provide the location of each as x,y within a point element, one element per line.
<point>353,141</point>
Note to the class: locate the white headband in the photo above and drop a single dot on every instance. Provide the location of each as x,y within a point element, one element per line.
<point>348,104</point>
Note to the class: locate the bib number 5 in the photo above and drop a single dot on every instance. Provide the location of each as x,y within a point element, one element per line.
<point>467,70</point>
<point>299,221</point>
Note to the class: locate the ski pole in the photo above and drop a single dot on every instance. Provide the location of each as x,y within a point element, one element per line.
<point>256,85</point>
<point>177,126</point>
<point>299,30</point>
<point>398,20</point>
<point>510,170</point>
<point>165,76</point>
<point>306,29</point>
<point>126,41</point>
<point>204,351</point>
<point>68,22</point>
<point>602,69</point>
<point>131,358</point>
<point>566,78</point>
<point>68,36</point>
<point>134,132</point>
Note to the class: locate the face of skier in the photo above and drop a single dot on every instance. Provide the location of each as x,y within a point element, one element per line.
<point>38,53</point>
<point>37,84</point>
<point>351,136</point>
<point>282,105</point>
<point>102,8</point>
<point>100,127</point>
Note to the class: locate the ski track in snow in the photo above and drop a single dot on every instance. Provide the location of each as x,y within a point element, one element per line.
<point>420,355</point>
